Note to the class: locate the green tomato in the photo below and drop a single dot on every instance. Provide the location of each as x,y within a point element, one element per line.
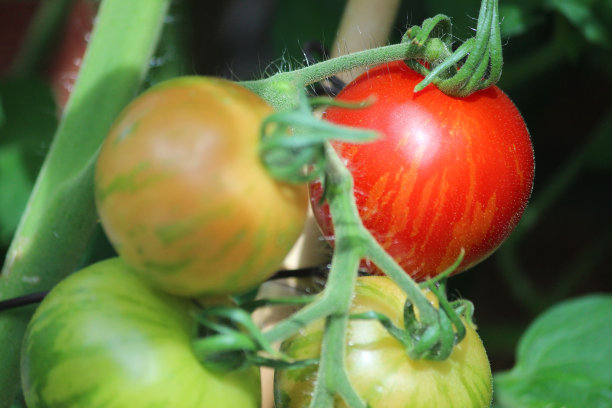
<point>104,338</point>
<point>379,367</point>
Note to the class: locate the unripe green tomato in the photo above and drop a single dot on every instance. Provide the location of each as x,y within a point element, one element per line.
<point>103,338</point>
<point>183,195</point>
<point>379,367</point>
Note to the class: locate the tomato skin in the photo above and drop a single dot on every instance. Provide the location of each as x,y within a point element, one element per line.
<point>104,338</point>
<point>66,57</point>
<point>183,195</point>
<point>379,367</point>
<point>446,173</point>
<point>66,63</point>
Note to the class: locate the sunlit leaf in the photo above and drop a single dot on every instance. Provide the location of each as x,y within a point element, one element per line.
<point>564,359</point>
<point>588,16</point>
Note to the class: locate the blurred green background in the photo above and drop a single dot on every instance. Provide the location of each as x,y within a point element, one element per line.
<point>558,71</point>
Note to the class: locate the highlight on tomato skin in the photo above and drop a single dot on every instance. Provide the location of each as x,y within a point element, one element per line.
<point>183,196</point>
<point>447,173</point>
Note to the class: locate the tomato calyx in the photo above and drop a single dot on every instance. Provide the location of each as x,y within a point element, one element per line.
<point>473,66</point>
<point>231,340</point>
<point>425,340</point>
<point>292,143</point>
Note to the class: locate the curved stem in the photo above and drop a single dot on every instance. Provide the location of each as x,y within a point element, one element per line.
<point>507,257</point>
<point>385,262</point>
<point>280,89</point>
<point>218,343</point>
<point>333,381</point>
<point>352,242</point>
<point>348,252</point>
<point>313,311</point>
<point>319,71</point>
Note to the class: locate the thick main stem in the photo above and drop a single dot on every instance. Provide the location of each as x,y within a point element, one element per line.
<point>319,71</point>
<point>60,215</point>
<point>349,246</point>
<point>347,222</point>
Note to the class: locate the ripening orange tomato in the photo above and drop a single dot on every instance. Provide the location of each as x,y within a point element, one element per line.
<point>183,195</point>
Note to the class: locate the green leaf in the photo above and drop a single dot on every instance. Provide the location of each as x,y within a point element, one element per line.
<point>517,17</point>
<point>29,121</point>
<point>564,359</point>
<point>587,16</point>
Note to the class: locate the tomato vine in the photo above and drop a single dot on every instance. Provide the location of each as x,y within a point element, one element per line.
<point>474,65</point>
<point>436,332</point>
<point>450,71</point>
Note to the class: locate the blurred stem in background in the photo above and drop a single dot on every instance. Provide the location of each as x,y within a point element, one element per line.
<point>508,258</point>
<point>365,24</point>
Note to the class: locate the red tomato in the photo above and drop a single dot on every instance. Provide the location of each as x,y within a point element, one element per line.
<point>67,59</point>
<point>447,173</point>
<point>67,54</point>
<point>15,16</point>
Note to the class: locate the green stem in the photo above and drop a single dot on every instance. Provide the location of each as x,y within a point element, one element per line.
<point>319,71</point>
<point>280,90</point>
<point>352,243</point>
<point>507,257</point>
<point>385,262</point>
<point>348,252</point>
<point>60,215</point>
<point>331,380</point>
<point>313,311</point>
<point>581,267</point>
<point>219,343</point>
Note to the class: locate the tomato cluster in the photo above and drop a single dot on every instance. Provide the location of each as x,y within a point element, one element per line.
<point>192,211</point>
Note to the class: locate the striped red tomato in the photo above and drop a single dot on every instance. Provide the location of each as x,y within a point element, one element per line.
<point>183,195</point>
<point>378,365</point>
<point>447,173</point>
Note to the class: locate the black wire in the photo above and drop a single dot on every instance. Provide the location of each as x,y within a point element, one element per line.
<point>22,300</point>
<point>312,271</point>
<point>320,271</point>
<point>31,298</point>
